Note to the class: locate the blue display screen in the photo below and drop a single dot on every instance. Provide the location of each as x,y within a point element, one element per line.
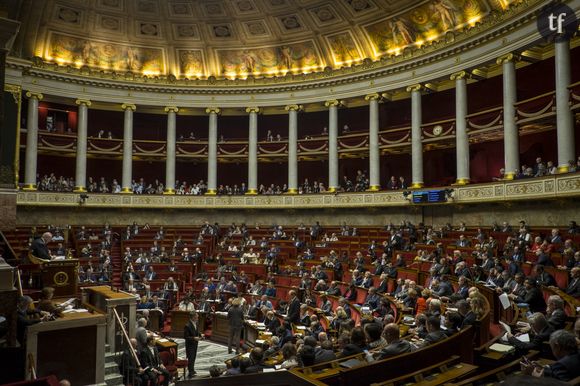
<point>429,196</point>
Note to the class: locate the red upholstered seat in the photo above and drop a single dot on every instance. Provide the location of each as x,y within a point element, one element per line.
<point>168,361</point>
<point>179,363</point>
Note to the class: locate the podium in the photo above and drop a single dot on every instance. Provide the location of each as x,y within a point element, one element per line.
<point>71,347</point>
<point>104,299</point>
<point>62,275</point>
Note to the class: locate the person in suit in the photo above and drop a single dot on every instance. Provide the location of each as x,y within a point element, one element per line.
<point>153,365</point>
<point>533,296</point>
<point>324,353</point>
<point>141,334</point>
<point>236,323</point>
<point>325,305</point>
<point>395,345</point>
<point>468,317</point>
<point>539,334</point>
<point>556,313</point>
<point>573,288</point>
<point>434,333</point>
<point>45,304</point>
<point>293,308</point>
<point>567,366</point>
<point>130,369</point>
<point>192,337</point>
<point>272,323</point>
<point>39,246</point>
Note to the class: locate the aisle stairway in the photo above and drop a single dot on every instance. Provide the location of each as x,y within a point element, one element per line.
<point>117,264</point>
<point>208,354</point>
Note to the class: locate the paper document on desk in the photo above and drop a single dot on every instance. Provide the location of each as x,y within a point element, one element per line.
<point>162,340</point>
<point>523,338</point>
<point>507,328</point>
<point>505,301</point>
<point>300,327</point>
<point>501,348</point>
<point>260,341</point>
<point>260,325</point>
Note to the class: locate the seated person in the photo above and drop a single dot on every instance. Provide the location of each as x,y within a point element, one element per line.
<point>271,322</point>
<point>395,345</point>
<point>434,333</point>
<point>333,289</point>
<point>540,333</point>
<point>46,303</point>
<point>567,366</point>
<point>149,358</point>
<point>304,315</point>
<point>555,312</point>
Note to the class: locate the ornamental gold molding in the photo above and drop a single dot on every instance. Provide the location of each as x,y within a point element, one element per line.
<point>171,109</point>
<point>212,110</point>
<point>332,103</point>
<point>414,87</point>
<point>251,110</point>
<point>294,108</point>
<point>558,186</point>
<point>128,106</point>
<point>372,97</point>
<point>458,75</point>
<point>83,102</point>
<point>32,94</point>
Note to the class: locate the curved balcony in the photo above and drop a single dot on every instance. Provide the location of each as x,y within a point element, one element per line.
<point>558,186</point>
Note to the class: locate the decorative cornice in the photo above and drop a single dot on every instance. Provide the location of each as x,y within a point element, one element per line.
<point>84,102</point>
<point>251,110</point>
<point>212,110</point>
<point>294,108</point>
<point>414,87</point>
<point>372,97</point>
<point>37,95</point>
<point>171,109</point>
<point>458,75</point>
<point>128,106</point>
<point>332,103</point>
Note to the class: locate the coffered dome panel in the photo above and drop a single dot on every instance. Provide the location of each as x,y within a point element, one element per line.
<point>239,38</point>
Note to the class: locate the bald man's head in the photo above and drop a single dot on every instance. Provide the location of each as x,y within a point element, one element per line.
<point>391,332</point>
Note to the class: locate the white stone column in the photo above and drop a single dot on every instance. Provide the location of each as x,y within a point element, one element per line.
<point>416,137</point>
<point>127,148</point>
<point>170,150</point>
<point>253,150</point>
<point>511,140</point>
<point>332,144</point>
<point>461,138</point>
<point>81,162</point>
<point>374,153</point>
<point>31,140</point>
<point>212,150</point>
<point>564,119</point>
<point>293,148</point>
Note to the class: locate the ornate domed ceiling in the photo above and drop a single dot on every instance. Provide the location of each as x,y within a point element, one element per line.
<point>236,38</point>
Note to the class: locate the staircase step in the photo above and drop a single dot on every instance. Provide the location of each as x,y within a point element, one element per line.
<point>114,379</point>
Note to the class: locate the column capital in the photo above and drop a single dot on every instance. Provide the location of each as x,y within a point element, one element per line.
<point>214,110</point>
<point>507,58</point>
<point>294,108</point>
<point>254,109</point>
<point>332,103</point>
<point>128,106</point>
<point>171,109</point>
<point>458,75</point>
<point>32,94</point>
<point>372,97</point>
<point>85,102</point>
<point>414,87</point>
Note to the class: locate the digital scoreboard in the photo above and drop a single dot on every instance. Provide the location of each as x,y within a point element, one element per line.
<point>429,196</point>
